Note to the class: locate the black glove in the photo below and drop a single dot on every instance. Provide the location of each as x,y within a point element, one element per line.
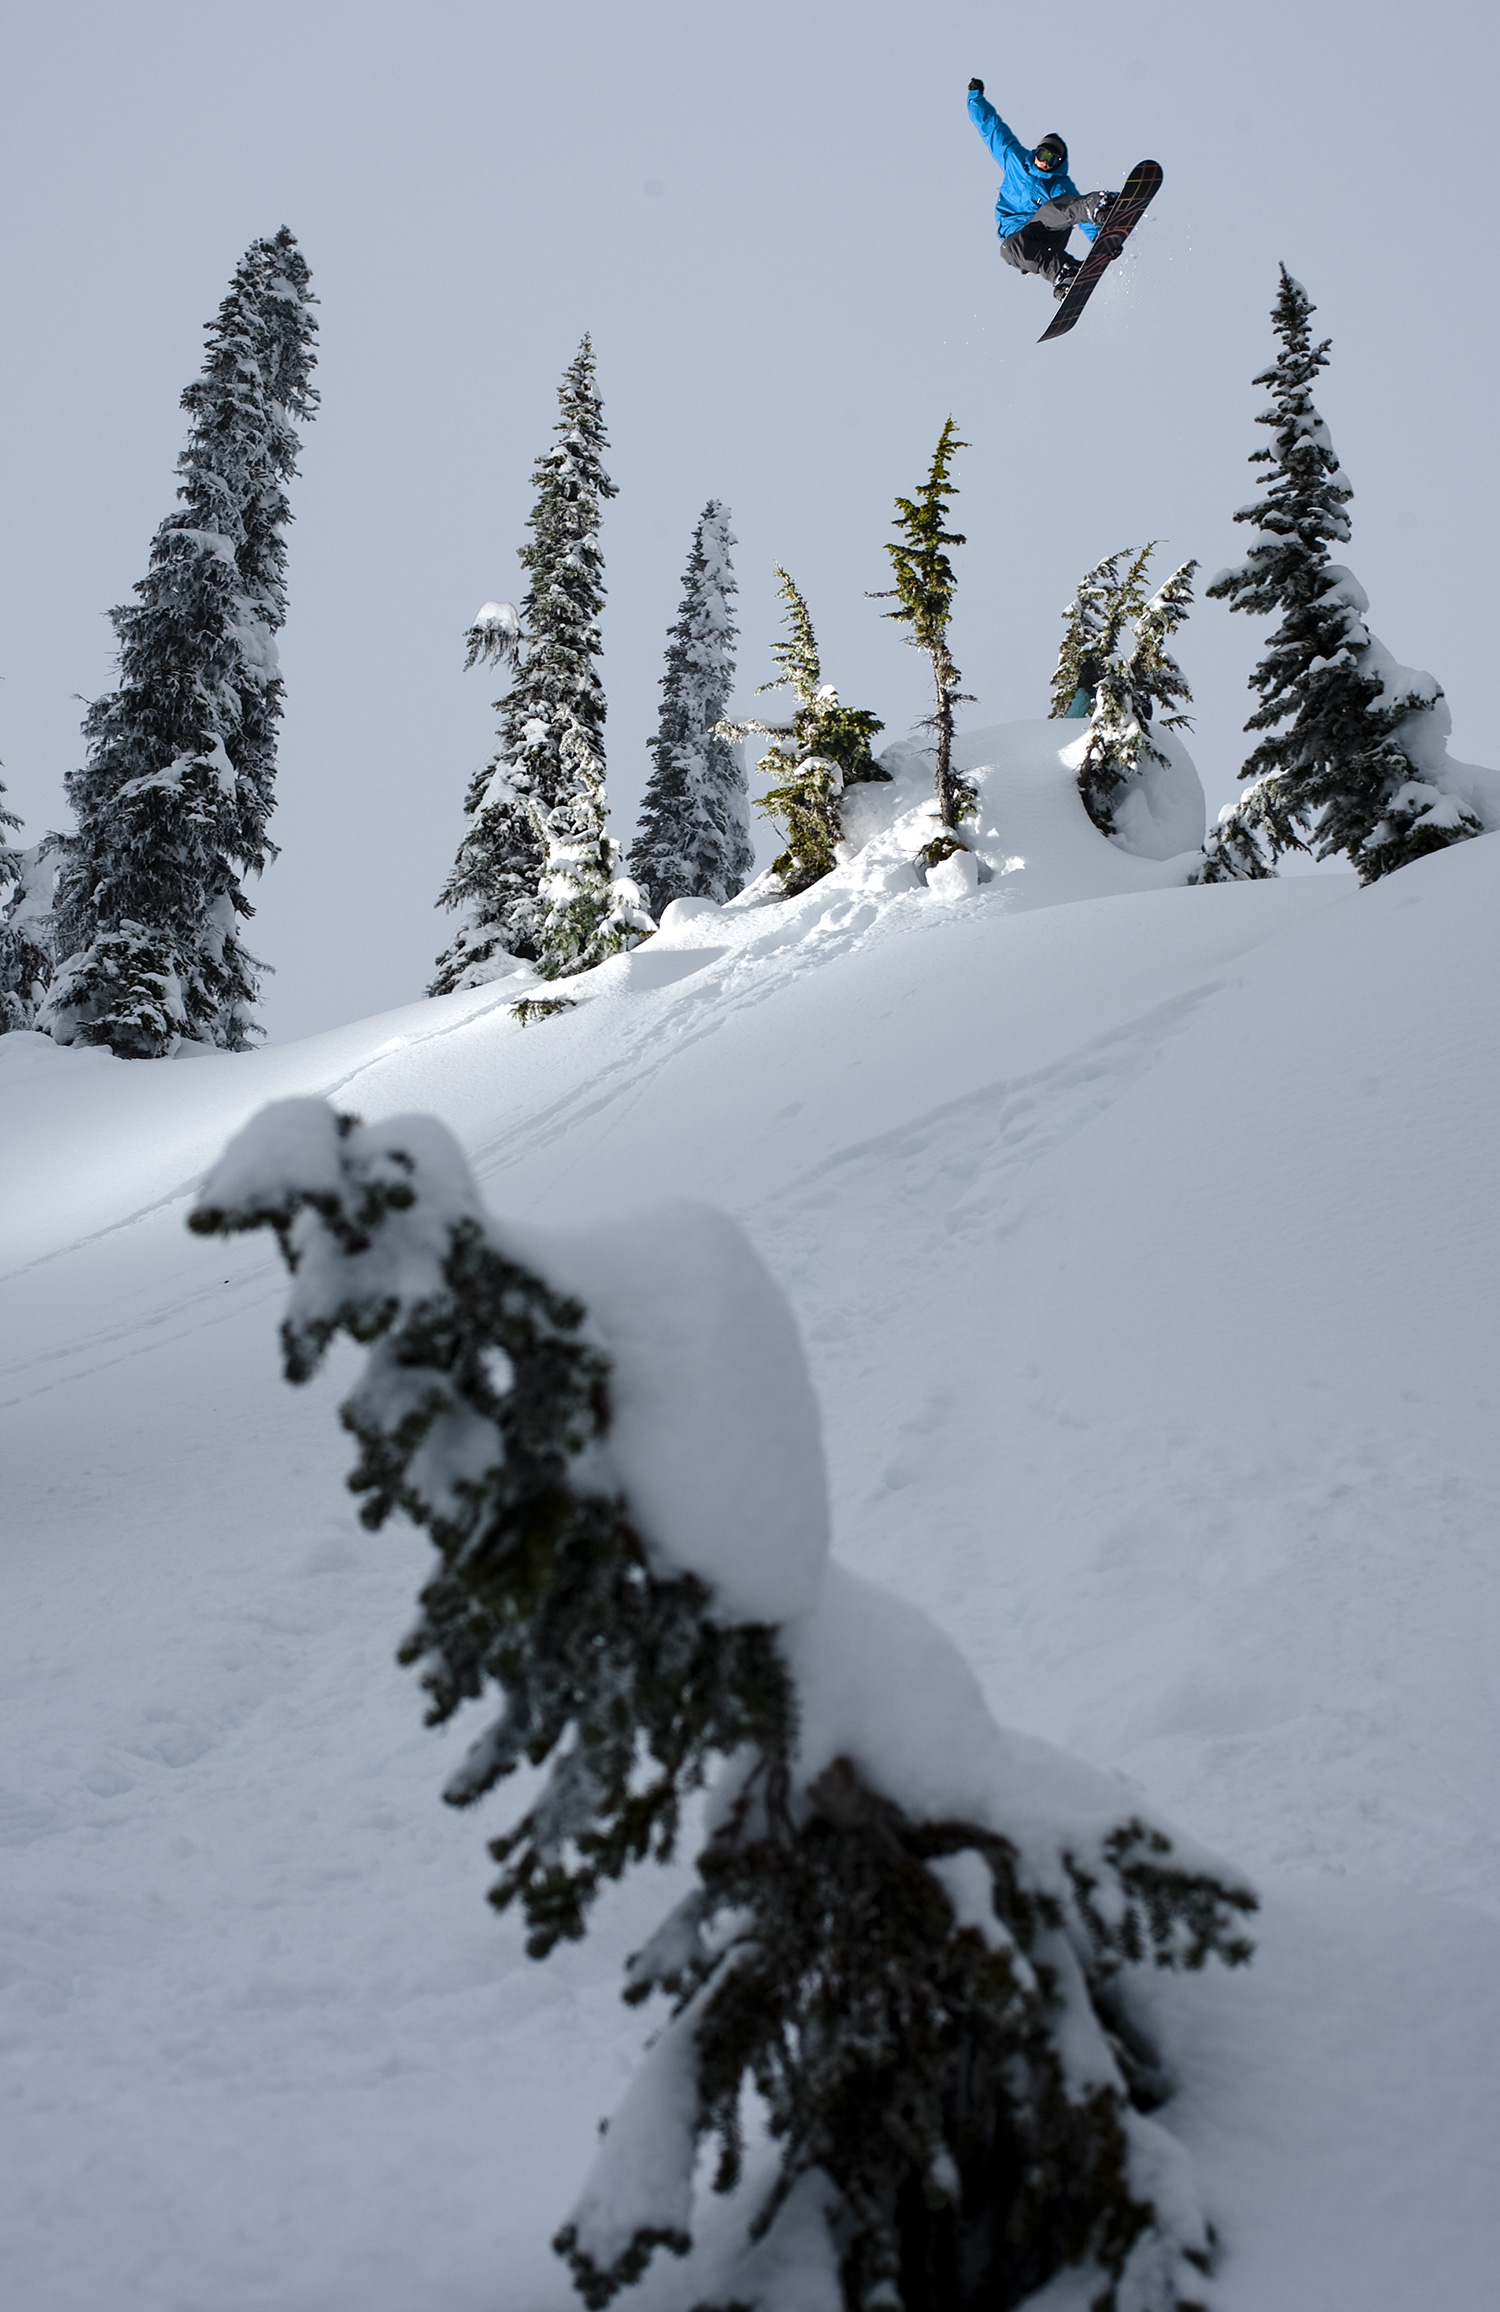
<point>976,84</point>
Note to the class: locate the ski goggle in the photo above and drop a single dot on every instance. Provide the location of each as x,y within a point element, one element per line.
<point>1047,158</point>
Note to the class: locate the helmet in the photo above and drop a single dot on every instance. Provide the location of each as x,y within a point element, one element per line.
<point>1051,154</point>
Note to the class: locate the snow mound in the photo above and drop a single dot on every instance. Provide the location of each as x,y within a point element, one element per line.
<point>879,1683</point>
<point>1031,835</point>
<point>716,1438</point>
<point>1423,737</point>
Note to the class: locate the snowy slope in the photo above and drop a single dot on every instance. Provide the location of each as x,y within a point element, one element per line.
<point>1144,1243</point>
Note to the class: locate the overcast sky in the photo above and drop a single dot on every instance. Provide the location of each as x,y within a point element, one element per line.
<point>777,223</point>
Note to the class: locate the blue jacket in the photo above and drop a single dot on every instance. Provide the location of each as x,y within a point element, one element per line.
<point>1023,186</point>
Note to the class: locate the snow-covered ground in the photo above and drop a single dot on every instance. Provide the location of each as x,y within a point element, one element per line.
<point>1144,1243</point>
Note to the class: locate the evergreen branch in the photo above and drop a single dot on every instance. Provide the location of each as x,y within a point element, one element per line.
<point>494,638</point>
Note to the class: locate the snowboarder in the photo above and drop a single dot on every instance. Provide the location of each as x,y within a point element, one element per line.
<point>1038,203</point>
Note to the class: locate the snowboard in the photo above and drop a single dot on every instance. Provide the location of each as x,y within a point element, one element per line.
<point>1120,220</point>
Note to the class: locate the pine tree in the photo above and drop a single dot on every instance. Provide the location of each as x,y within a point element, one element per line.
<point>500,858</point>
<point>536,811</point>
<point>1091,629</point>
<point>924,590</point>
<point>593,909</point>
<point>1105,611</point>
<point>821,751</point>
<point>26,879</point>
<point>694,836</point>
<point>248,426</point>
<point>1241,846</point>
<point>1134,677</point>
<point>176,794</point>
<point>1348,774</point>
<point>936,2013</point>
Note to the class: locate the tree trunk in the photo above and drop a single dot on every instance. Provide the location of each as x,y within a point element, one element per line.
<point>963,2258</point>
<point>943,719</point>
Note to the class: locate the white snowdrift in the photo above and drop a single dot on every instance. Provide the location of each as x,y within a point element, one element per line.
<point>1423,737</point>
<point>1032,833</point>
<point>707,1365</point>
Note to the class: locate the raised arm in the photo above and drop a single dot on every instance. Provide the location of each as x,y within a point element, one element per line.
<point>1001,140</point>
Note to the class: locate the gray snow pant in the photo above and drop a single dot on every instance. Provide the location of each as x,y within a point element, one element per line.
<point>1042,246</point>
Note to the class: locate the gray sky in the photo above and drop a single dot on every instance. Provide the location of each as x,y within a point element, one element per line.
<point>777,223</point>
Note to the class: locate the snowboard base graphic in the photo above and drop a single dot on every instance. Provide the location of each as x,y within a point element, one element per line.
<point>1120,220</point>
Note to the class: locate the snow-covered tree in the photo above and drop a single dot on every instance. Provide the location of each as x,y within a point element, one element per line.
<point>924,590</point>
<point>175,797</point>
<point>1134,689</point>
<point>694,836</point>
<point>921,1961</point>
<point>1092,624</point>
<point>1115,668</point>
<point>593,909</point>
<point>495,876</point>
<point>1359,769</point>
<point>26,879</point>
<point>537,876</point>
<point>1240,847</point>
<point>814,757</point>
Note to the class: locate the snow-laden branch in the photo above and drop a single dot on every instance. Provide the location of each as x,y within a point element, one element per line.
<point>493,638</point>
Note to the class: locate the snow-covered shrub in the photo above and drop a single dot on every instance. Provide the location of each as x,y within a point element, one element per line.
<point>1244,840</point>
<point>1362,767</point>
<point>1115,667</point>
<point>694,836</point>
<point>532,1008</point>
<point>537,874</point>
<point>124,990</point>
<point>480,1415</point>
<point>175,797</point>
<point>813,758</point>
<point>911,1938</point>
<point>593,909</point>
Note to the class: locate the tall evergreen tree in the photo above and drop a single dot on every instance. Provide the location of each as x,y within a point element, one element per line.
<point>1352,772</point>
<point>694,836</point>
<point>26,879</point>
<point>814,757</point>
<point>536,811</point>
<point>1115,666</point>
<point>924,590</point>
<point>175,797</point>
